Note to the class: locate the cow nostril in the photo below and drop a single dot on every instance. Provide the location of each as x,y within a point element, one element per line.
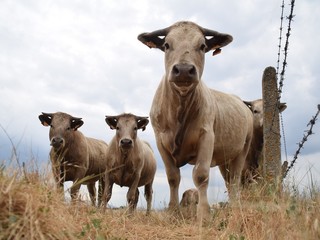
<point>175,70</point>
<point>192,71</point>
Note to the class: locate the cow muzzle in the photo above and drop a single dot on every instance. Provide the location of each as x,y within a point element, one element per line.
<point>126,143</point>
<point>57,142</point>
<point>184,78</point>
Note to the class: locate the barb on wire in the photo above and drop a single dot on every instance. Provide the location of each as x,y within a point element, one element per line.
<point>304,139</point>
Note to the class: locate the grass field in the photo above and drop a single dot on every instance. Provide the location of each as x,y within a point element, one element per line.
<point>30,208</point>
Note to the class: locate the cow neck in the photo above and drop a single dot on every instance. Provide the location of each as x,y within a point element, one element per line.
<point>187,110</point>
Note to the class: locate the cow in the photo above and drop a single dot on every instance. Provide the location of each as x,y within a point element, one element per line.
<point>75,157</point>
<point>250,171</point>
<point>192,123</point>
<point>131,161</point>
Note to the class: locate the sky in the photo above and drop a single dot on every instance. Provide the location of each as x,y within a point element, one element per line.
<point>83,58</point>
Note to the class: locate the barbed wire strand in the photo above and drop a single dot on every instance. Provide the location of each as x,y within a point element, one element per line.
<point>284,65</point>
<point>304,139</point>
<point>280,37</point>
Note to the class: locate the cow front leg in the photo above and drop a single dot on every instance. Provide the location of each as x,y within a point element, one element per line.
<point>92,193</point>
<point>101,186</point>
<point>200,174</point>
<point>132,198</point>
<point>148,195</point>
<point>173,177</point>
<point>200,177</point>
<point>74,190</point>
<point>107,191</point>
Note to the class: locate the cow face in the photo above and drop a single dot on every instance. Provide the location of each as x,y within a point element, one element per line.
<point>185,44</point>
<point>256,108</point>
<point>62,126</point>
<point>126,126</point>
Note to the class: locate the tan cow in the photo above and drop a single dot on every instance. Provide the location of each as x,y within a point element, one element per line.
<point>192,123</point>
<point>131,161</point>
<point>250,170</point>
<point>75,157</point>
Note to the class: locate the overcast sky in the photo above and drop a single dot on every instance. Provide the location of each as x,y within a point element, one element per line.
<point>83,58</point>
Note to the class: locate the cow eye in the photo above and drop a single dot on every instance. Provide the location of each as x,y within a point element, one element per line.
<point>203,47</point>
<point>166,46</point>
<point>117,128</point>
<point>68,128</point>
<point>255,111</point>
<point>135,128</point>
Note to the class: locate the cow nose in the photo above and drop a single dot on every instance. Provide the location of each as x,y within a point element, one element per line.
<point>56,142</point>
<point>126,143</point>
<point>184,71</point>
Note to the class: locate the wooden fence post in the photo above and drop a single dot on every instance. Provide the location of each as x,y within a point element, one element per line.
<point>271,163</point>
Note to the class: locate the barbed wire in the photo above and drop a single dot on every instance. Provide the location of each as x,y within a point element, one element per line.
<point>304,139</point>
<point>284,65</point>
<point>286,47</point>
<point>280,37</point>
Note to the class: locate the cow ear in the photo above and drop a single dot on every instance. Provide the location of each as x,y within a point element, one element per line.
<point>249,104</point>
<point>217,40</point>
<point>282,107</point>
<point>142,122</point>
<point>45,119</point>
<point>154,39</point>
<point>76,123</point>
<point>112,121</point>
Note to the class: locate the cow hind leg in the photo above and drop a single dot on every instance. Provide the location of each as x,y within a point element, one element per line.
<point>234,175</point>
<point>148,195</point>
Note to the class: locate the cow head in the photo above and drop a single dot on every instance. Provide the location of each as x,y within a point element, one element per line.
<point>256,108</point>
<point>185,44</point>
<point>62,126</point>
<point>126,126</point>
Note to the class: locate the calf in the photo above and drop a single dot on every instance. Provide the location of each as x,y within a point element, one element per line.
<point>74,157</point>
<point>131,161</point>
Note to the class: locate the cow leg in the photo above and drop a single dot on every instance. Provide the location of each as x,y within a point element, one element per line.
<point>101,186</point>
<point>74,191</point>
<point>107,192</point>
<point>135,202</point>
<point>92,192</point>
<point>200,174</point>
<point>173,177</point>
<point>148,195</point>
<point>200,177</point>
<point>234,178</point>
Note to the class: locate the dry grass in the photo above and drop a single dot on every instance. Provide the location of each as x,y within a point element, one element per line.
<point>31,209</point>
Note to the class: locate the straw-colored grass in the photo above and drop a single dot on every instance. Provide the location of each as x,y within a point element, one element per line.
<point>30,208</point>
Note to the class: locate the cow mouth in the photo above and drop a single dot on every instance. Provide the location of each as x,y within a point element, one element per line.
<point>184,87</point>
